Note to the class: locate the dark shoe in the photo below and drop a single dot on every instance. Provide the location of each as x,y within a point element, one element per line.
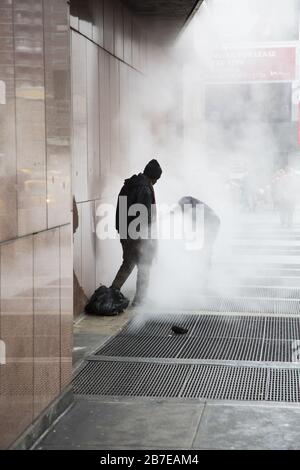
<point>138,302</point>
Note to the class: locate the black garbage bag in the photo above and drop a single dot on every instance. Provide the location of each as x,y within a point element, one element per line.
<point>106,301</point>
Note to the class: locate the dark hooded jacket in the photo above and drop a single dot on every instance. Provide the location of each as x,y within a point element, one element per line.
<point>138,190</point>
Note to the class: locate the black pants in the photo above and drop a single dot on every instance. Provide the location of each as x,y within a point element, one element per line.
<point>135,253</point>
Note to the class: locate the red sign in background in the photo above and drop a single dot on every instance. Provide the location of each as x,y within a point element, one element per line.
<point>299,124</point>
<point>269,63</point>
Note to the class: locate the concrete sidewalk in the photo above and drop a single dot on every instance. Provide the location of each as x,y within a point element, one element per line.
<point>269,287</point>
<point>146,423</point>
<point>167,424</point>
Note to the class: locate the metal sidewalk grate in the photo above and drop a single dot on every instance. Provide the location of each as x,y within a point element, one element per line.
<point>284,385</point>
<point>281,272</point>
<point>223,349</point>
<point>216,326</point>
<point>266,250</point>
<point>215,382</point>
<point>143,346</point>
<point>286,281</point>
<point>278,351</point>
<point>263,305</point>
<point>282,328</point>
<point>269,292</point>
<point>240,304</point>
<point>229,326</point>
<point>260,269</point>
<point>215,337</point>
<point>131,379</point>
<point>277,272</point>
<point>287,237</point>
<point>160,324</point>
<point>227,383</point>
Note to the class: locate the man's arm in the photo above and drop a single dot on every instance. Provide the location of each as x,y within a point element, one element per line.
<point>145,197</point>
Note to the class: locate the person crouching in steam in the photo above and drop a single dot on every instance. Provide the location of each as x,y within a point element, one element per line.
<point>135,216</point>
<point>211,225</point>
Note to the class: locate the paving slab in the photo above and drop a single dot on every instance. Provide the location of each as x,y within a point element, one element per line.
<point>134,425</point>
<point>85,343</point>
<point>250,427</point>
<point>107,326</point>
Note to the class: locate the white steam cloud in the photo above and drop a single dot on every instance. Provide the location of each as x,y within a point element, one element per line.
<point>210,132</point>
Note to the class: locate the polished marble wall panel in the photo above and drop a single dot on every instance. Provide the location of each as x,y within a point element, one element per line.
<point>16,384</point>
<point>34,64</point>
<point>93,119</point>
<point>85,248</point>
<point>8,187</point>
<point>127,37</point>
<point>103,127</point>
<point>114,66</point>
<point>125,112</point>
<point>105,120</point>
<point>46,319</point>
<point>98,26</point>
<point>66,305</point>
<point>79,106</point>
<point>85,14</point>
<point>108,253</point>
<point>88,249</point>
<point>57,78</point>
<point>30,115</point>
<point>119,30</point>
<point>36,324</point>
<point>74,19</point>
<point>77,246</point>
<point>109,26</point>
<point>35,166</point>
<point>136,46</point>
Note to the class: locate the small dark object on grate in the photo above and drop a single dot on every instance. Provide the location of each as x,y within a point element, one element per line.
<point>106,301</point>
<point>178,330</point>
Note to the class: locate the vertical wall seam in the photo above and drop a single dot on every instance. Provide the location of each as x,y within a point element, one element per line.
<point>100,107</point>
<point>87,118</point>
<point>109,110</point>
<point>45,112</point>
<point>119,109</point>
<point>103,17</point>
<point>33,328</point>
<point>114,27</point>
<point>95,246</point>
<point>81,240</point>
<point>0,297</point>
<point>131,42</point>
<point>71,120</point>
<point>15,107</point>
<point>123,31</point>
<point>60,309</point>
